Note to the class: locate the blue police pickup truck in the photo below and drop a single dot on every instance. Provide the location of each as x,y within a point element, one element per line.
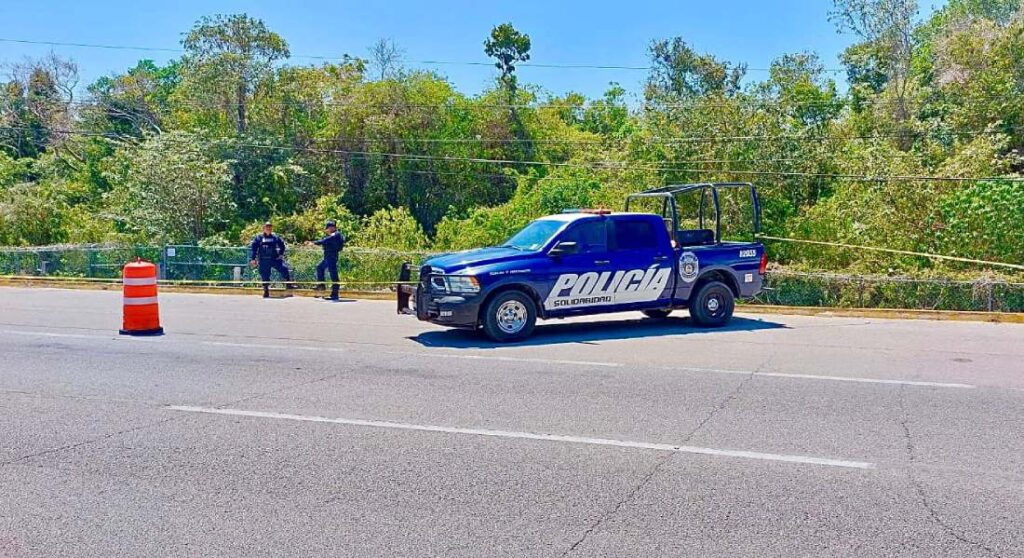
<point>593,262</point>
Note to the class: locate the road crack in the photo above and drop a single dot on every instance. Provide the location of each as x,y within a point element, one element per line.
<point>87,442</point>
<point>662,461</point>
<point>933,514</point>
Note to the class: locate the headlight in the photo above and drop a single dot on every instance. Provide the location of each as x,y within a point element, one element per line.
<point>463,284</point>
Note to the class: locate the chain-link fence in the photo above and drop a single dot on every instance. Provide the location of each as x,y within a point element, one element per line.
<point>865,291</point>
<point>369,269</point>
<point>376,269</point>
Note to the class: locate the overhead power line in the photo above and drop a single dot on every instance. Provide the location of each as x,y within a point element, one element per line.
<point>339,57</point>
<point>658,140</point>
<point>605,165</point>
<point>554,104</point>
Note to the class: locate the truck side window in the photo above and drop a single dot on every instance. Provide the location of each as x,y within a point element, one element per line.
<point>635,234</point>
<point>590,235</point>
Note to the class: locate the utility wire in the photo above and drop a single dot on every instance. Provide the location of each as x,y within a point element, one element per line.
<point>328,57</point>
<point>672,140</point>
<point>557,104</point>
<point>605,165</point>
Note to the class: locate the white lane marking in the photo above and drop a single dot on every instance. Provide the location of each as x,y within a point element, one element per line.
<point>867,380</point>
<point>110,337</point>
<point>48,334</point>
<point>531,436</point>
<point>822,377</point>
<point>265,346</point>
<point>415,354</point>
<point>530,360</point>
<point>512,359</point>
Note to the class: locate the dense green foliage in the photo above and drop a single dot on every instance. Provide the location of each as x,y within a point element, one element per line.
<point>205,148</point>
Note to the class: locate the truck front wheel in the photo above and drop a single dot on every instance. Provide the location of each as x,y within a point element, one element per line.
<point>712,305</point>
<point>510,316</point>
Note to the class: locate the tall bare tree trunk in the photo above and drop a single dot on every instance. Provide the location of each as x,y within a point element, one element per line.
<point>240,94</point>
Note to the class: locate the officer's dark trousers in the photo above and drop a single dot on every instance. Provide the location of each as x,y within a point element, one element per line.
<point>328,265</point>
<point>267,265</point>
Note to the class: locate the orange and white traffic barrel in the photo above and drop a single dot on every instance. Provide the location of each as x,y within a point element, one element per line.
<point>141,310</point>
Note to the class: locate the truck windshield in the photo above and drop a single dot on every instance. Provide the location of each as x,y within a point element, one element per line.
<point>534,236</point>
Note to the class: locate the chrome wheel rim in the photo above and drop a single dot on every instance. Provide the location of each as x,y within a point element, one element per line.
<point>713,304</point>
<point>511,316</point>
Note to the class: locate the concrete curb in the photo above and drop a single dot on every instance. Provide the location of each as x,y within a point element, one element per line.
<point>817,311</point>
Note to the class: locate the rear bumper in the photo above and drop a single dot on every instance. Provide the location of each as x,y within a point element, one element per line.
<point>750,284</point>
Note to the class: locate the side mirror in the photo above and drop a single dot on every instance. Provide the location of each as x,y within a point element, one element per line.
<point>564,249</point>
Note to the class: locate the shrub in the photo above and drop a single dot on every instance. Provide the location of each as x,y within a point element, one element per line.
<point>392,227</point>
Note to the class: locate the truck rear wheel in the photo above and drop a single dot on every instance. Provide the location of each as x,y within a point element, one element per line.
<point>712,305</point>
<point>510,316</point>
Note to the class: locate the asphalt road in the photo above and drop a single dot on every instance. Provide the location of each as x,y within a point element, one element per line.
<point>297,427</point>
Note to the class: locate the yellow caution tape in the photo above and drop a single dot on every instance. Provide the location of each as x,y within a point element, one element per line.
<point>894,251</point>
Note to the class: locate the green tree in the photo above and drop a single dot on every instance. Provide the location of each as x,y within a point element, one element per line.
<point>887,26</point>
<point>234,53</point>
<point>170,189</point>
<point>608,116</point>
<point>132,103</point>
<point>508,47</point>
<point>36,108</point>
<point>392,227</point>
<point>983,221</point>
<point>13,170</point>
<point>31,214</point>
<point>309,224</point>
<point>679,73</point>
<point>797,82</point>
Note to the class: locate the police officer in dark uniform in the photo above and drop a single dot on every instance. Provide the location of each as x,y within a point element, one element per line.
<point>332,245</point>
<point>267,253</point>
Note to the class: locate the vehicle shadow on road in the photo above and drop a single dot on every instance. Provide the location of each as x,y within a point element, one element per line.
<point>589,332</point>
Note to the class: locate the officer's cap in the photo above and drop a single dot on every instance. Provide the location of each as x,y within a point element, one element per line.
<point>268,224</point>
<point>330,224</point>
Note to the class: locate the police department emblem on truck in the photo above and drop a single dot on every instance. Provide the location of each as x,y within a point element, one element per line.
<point>595,261</point>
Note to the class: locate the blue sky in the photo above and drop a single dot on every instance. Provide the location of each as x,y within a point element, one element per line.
<point>563,32</point>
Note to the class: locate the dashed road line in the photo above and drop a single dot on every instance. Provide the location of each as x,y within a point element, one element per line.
<point>853,379</point>
<point>800,459</point>
<point>532,360</point>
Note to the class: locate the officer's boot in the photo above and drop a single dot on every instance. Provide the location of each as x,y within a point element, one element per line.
<point>334,292</point>
<point>266,291</point>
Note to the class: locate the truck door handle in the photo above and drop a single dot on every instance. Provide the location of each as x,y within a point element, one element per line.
<point>660,258</point>
<point>602,262</point>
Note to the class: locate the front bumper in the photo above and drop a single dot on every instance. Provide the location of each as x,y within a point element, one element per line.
<point>453,310</point>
